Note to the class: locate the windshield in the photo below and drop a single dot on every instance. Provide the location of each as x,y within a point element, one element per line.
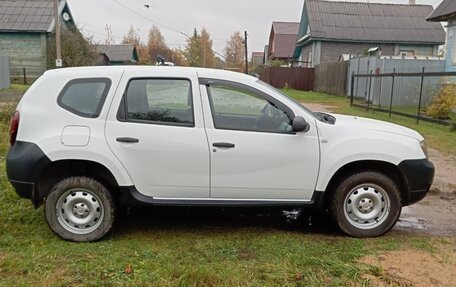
<point>287,96</point>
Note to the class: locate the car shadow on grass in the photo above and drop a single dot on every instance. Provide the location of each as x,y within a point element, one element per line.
<point>188,219</point>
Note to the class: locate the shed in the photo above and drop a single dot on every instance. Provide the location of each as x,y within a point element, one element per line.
<point>24,30</point>
<point>122,54</point>
<point>257,58</point>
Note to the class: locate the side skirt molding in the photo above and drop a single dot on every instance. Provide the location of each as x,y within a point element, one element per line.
<point>131,196</point>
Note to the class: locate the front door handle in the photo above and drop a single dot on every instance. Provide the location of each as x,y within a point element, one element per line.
<point>127,140</point>
<point>224,145</point>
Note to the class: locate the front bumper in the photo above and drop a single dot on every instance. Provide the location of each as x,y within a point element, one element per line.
<point>418,175</point>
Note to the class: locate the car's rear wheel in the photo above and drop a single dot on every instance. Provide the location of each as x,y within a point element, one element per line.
<point>79,209</point>
<point>366,204</point>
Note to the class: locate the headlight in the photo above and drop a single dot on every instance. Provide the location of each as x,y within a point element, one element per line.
<point>424,148</point>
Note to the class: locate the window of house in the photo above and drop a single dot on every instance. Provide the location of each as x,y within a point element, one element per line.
<point>84,97</point>
<point>407,53</point>
<point>160,101</point>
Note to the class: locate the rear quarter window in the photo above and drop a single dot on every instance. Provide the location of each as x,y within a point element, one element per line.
<point>84,97</point>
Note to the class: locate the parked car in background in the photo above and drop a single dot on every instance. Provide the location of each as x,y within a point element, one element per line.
<point>86,140</point>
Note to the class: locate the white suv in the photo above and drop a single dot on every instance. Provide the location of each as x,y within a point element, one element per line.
<point>86,139</point>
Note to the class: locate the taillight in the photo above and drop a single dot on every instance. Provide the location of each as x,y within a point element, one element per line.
<point>14,126</point>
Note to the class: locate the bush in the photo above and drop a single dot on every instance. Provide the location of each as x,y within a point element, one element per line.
<point>76,50</point>
<point>444,103</point>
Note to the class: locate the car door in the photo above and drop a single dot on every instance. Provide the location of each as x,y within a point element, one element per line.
<point>255,155</point>
<point>155,129</point>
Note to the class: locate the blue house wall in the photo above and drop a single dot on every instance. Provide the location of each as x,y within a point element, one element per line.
<point>450,53</point>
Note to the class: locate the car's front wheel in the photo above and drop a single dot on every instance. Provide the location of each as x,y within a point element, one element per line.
<point>366,204</point>
<point>79,209</point>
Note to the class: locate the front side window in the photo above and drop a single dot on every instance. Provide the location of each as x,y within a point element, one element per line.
<point>236,108</point>
<point>84,97</point>
<point>160,101</point>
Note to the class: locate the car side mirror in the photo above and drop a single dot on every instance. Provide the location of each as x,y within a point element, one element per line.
<point>300,124</point>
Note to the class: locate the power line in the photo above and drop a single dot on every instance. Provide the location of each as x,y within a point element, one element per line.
<point>167,27</point>
<point>146,18</point>
<point>174,15</point>
<point>104,34</point>
<point>250,36</point>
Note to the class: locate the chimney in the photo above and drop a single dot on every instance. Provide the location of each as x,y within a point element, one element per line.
<point>412,2</point>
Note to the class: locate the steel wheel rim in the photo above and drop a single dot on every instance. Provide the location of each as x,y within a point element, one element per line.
<point>367,206</point>
<point>79,211</point>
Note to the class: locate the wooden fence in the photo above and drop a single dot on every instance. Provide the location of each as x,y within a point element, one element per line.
<point>331,78</point>
<point>295,77</point>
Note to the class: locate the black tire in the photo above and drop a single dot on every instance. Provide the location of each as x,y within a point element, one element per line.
<point>366,204</point>
<point>79,209</point>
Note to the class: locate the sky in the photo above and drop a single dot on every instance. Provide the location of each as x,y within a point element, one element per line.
<point>178,17</point>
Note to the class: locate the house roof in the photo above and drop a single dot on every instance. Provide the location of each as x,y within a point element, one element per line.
<point>282,40</point>
<point>28,16</point>
<point>371,22</point>
<point>257,54</point>
<point>285,28</point>
<point>118,53</point>
<point>444,12</point>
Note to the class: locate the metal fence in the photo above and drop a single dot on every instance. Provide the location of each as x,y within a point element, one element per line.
<point>428,85</point>
<point>293,77</point>
<point>378,89</point>
<point>5,80</point>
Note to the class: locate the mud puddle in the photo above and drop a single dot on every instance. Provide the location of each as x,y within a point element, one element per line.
<point>434,215</point>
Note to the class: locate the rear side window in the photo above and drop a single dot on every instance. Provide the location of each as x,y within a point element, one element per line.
<point>84,97</point>
<point>159,101</point>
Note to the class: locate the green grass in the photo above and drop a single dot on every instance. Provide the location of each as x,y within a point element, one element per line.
<point>13,93</point>
<point>16,88</point>
<point>314,97</point>
<point>437,136</point>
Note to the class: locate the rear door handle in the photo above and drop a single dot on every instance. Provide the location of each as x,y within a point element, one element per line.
<point>224,145</point>
<point>127,140</point>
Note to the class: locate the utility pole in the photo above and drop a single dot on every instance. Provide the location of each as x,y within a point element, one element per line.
<point>246,53</point>
<point>204,55</point>
<point>58,60</point>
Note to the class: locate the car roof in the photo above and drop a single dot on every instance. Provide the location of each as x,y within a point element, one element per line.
<point>175,70</point>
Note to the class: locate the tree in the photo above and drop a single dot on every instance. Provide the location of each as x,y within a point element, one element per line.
<point>234,51</point>
<point>156,45</point>
<point>76,50</point>
<point>192,50</point>
<point>109,37</point>
<point>199,52</point>
<point>207,56</point>
<point>133,38</point>
<point>178,57</point>
<point>219,63</point>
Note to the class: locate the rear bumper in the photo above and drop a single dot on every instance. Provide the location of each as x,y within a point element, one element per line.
<point>24,162</point>
<point>418,175</point>
<point>23,189</point>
